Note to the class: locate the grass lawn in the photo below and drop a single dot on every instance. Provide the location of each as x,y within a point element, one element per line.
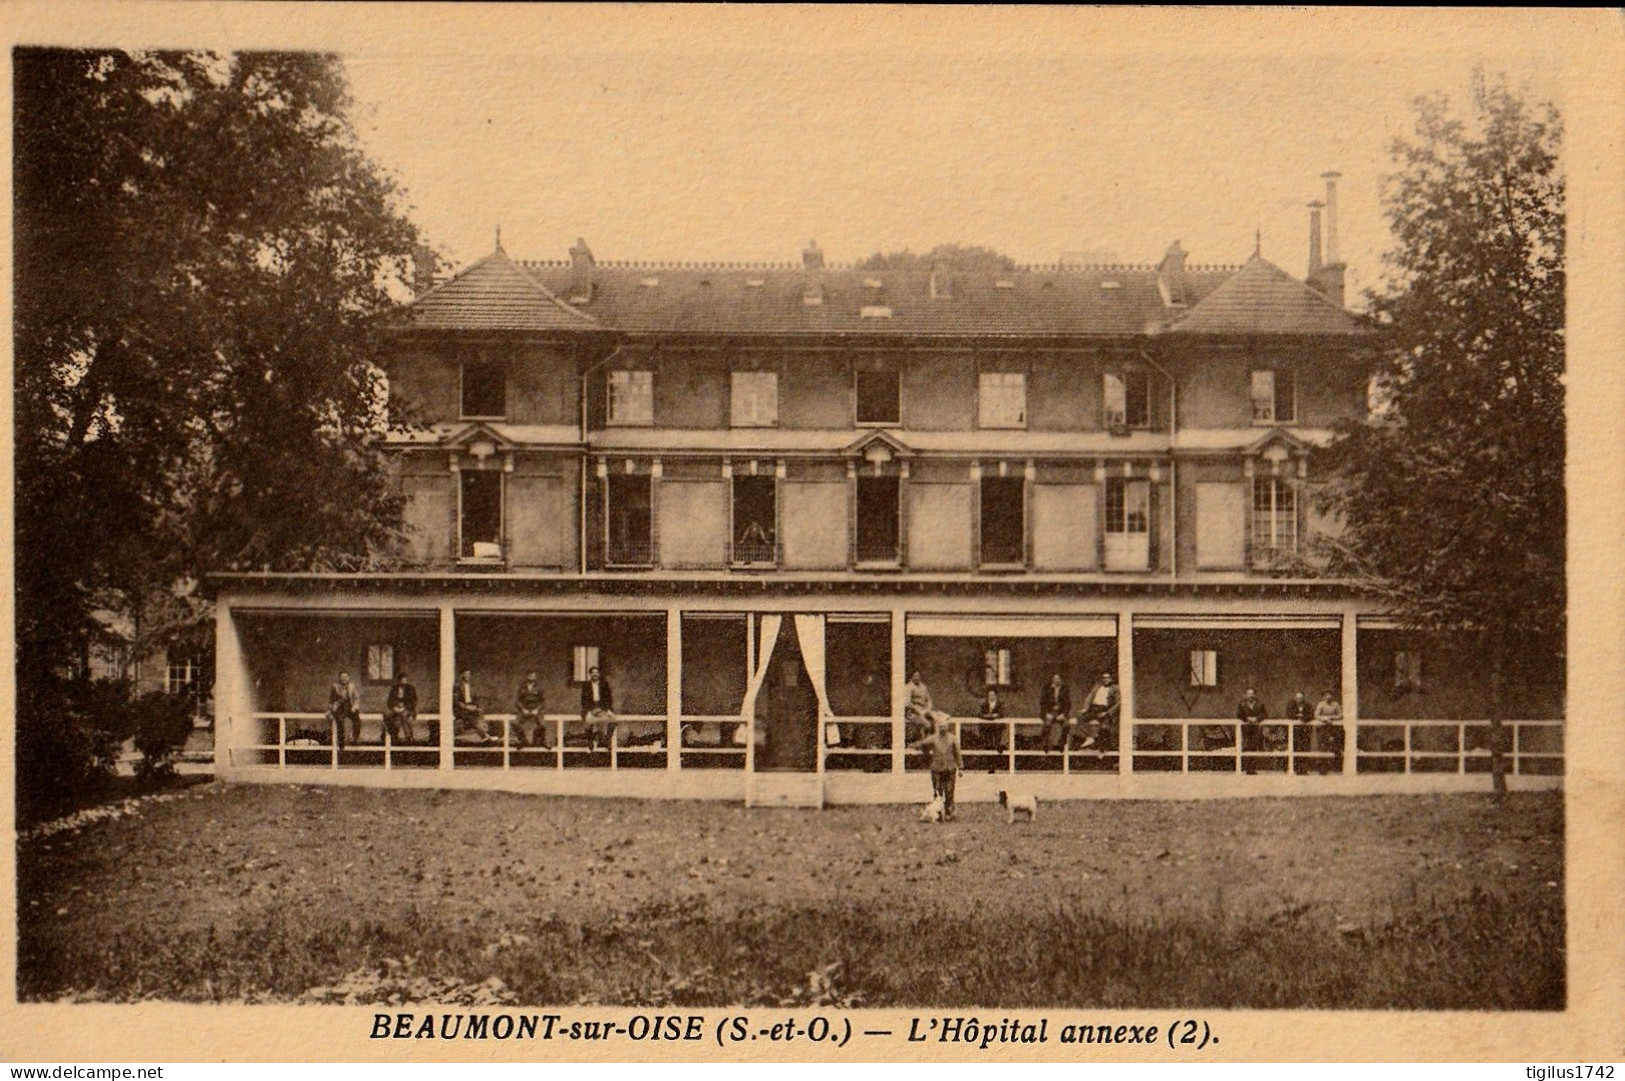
<point>276,893</point>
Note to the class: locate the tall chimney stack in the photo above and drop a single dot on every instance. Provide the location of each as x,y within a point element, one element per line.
<point>581,267</point>
<point>1331,217</point>
<point>1314,242</point>
<point>424,266</point>
<point>812,257</point>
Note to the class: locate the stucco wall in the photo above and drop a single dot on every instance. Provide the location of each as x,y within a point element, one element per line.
<point>1275,663</point>
<point>1455,683</point>
<point>292,660</point>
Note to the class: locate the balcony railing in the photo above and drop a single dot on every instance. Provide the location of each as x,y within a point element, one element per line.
<point>754,554</point>
<point>1003,555</point>
<point>886,552</point>
<point>629,553</point>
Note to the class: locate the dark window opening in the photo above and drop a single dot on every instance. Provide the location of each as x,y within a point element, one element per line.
<point>879,397</point>
<point>482,515</point>
<point>1004,524</point>
<point>878,526</point>
<point>631,519</point>
<point>485,389</point>
<point>755,523</point>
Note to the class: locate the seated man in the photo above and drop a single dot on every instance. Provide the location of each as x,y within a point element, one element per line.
<point>598,710</point>
<point>401,709</point>
<point>919,713</point>
<point>1055,710</point>
<point>465,709</point>
<point>1100,713</point>
<point>527,710</point>
<point>344,705</point>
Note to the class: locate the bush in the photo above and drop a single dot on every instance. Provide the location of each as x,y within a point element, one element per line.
<point>161,722</point>
<point>68,737</point>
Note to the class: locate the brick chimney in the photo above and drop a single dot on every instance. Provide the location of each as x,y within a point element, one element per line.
<point>1171,276</point>
<point>1329,279</point>
<point>1331,218</point>
<point>581,266</point>
<point>1315,262</point>
<point>812,257</point>
<point>940,287</point>
<point>424,268</point>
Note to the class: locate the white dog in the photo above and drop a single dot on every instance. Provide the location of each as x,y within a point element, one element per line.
<point>1018,805</point>
<point>933,811</point>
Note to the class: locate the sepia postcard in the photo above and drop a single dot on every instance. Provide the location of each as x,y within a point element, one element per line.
<point>834,534</point>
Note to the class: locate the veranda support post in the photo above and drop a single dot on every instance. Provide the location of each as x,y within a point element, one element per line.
<point>448,681</point>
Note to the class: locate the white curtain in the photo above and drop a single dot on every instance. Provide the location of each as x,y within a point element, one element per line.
<point>810,636</point>
<point>764,656</point>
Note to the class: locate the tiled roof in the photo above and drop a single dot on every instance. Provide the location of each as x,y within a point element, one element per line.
<point>493,294</point>
<point>771,299</point>
<point>497,293</point>
<point>1264,299</point>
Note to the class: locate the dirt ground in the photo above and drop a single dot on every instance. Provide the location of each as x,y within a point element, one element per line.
<point>222,856</point>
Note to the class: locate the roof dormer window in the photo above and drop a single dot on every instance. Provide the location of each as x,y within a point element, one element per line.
<point>649,282</point>
<point>874,311</point>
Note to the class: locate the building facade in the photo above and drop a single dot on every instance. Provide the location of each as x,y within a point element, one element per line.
<point>759,498</point>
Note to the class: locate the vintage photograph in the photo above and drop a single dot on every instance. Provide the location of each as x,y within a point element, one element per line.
<point>863,519</point>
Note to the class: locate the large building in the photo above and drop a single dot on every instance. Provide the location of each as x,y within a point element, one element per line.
<point>759,497</point>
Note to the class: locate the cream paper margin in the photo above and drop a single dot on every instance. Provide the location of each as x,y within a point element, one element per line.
<point>1592,1028</point>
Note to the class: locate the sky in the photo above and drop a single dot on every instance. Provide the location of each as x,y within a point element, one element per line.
<point>741,136</point>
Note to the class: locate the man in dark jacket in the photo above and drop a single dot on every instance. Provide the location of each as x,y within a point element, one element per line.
<point>527,710</point>
<point>401,709</point>
<point>1251,713</point>
<point>1100,712</point>
<point>598,710</point>
<point>1055,708</point>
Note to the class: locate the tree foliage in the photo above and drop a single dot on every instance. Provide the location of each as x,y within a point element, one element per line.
<point>1452,496</point>
<point>202,247</point>
<point>966,258</point>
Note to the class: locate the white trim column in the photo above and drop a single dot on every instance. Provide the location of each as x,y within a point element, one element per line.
<point>448,682</point>
<point>232,707</point>
<point>899,682</point>
<point>1350,686</point>
<point>674,689</point>
<point>1125,692</point>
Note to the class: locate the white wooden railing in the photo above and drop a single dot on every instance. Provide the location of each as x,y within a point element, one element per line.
<point>1534,747</point>
<point>293,738</point>
<point>312,739</point>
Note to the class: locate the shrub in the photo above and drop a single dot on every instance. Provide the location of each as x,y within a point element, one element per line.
<point>68,736</point>
<point>161,723</point>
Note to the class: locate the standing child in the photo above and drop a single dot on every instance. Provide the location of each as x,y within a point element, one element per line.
<point>946,763</point>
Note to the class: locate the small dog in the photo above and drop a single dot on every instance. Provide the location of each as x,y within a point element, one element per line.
<point>1018,805</point>
<point>933,811</point>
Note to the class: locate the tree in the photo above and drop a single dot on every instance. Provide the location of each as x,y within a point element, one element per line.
<point>971,258</point>
<point>1452,495</point>
<point>202,248</point>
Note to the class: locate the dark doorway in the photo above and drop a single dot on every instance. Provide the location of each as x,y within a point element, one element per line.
<point>787,709</point>
<point>878,526</point>
<point>1004,521</point>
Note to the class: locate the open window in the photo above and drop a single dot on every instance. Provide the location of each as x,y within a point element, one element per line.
<point>755,521</point>
<point>485,390</point>
<point>480,514</point>
<point>631,521</point>
<point>879,397</point>
<point>879,528</point>
<point>1274,396</point>
<point>1128,525</point>
<point>1204,671</point>
<point>1127,396</point>
<point>1004,521</point>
